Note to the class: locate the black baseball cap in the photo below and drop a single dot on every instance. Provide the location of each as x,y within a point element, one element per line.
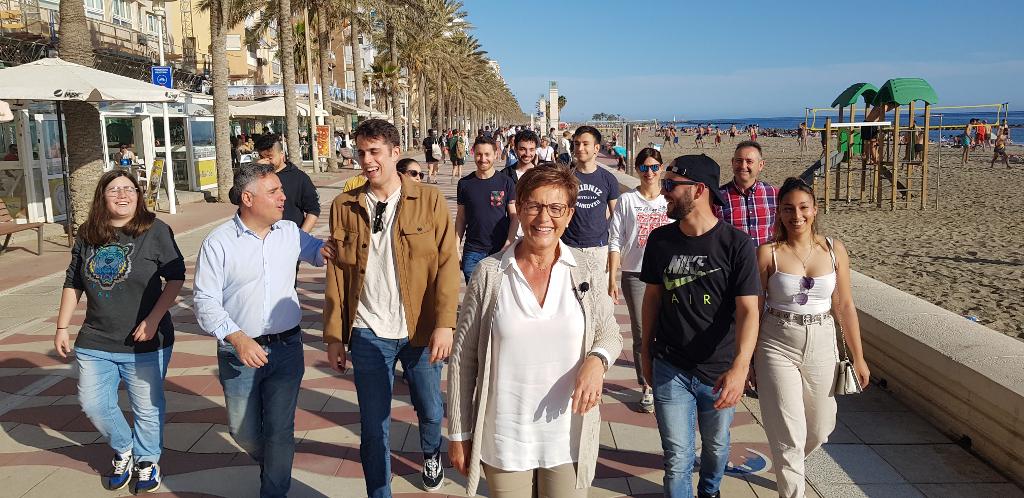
<point>699,168</point>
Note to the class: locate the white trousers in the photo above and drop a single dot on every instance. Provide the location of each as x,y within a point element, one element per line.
<point>796,371</point>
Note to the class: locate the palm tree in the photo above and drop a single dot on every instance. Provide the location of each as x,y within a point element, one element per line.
<point>85,159</point>
<point>219,25</point>
<point>561,103</point>
<point>355,24</point>
<point>286,52</point>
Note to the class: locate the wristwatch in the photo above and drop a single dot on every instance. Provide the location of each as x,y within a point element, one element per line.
<point>604,361</point>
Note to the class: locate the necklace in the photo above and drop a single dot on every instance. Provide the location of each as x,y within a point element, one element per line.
<point>803,262</point>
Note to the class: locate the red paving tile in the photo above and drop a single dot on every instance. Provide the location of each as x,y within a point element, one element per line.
<point>56,417</point>
<point>24,339</point>
<point>15,383</point>
<point>321,458</point>
<point>65,387</point>
<point>306,420</point>
<point>215,415</point>
<point>189,360</point>
<point>24,359</point>
<point>200,385</point>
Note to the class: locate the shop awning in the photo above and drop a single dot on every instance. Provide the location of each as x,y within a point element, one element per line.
<point>55,79</point>
<point>268,108</point>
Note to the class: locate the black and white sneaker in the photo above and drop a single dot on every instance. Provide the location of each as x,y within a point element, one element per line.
<point>433,472</point>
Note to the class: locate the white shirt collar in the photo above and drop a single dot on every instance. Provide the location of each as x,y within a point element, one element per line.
<point>565,255</point>
<point>240,227</point>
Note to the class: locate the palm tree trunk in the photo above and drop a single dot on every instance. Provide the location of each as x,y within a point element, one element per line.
<point>396,103</point>
<point>221,124</point>
<point>324,45</point>
<point>424,116</point>
<point>357,62</point>
<point>85,159</point>
<point>286,32</point>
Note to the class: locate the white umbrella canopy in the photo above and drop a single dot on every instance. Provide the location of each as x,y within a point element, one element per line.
<point>270,108</point>
<point>55,79</point>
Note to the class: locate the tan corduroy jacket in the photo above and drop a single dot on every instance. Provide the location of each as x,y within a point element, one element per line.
<point>469,370</point>
<point>426,260</point>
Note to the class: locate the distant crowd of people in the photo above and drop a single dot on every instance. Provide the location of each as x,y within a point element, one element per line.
<point>728,287</point>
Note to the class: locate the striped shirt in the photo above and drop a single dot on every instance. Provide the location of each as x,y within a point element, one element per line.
<point>752,211</point>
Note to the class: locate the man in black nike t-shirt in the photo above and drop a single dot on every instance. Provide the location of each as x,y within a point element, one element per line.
<point>699,322</point>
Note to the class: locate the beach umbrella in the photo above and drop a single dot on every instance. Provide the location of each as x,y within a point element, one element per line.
<point>56,80</point>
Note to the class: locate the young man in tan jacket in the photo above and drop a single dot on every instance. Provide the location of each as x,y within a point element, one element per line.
<point>392,291</point>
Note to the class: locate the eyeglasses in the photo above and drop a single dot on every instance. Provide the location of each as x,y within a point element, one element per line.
<point>556,210</point>
<point>806,284</point>
<point>669,185</point>
<point>128,191</point>
<point>378,216</point>
<point>413,173</point>
<point>643,168</point>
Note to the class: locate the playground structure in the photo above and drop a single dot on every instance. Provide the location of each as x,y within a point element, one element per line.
<point>900,171</point>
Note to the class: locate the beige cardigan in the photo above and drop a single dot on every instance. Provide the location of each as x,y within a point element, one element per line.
<point>470,362</point>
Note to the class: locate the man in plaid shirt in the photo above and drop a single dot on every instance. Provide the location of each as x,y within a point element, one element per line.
<point>749,202</point>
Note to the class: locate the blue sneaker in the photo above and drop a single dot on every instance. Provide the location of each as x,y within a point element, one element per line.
<point>122,472</point>
<point>149,477</point>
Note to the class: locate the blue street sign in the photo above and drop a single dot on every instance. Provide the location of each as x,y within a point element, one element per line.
<point>162,76</point>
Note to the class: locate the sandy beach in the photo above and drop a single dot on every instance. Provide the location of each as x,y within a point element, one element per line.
<point>966,256</point>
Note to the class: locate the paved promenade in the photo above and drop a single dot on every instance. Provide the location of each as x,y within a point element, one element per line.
<point>49,448</point>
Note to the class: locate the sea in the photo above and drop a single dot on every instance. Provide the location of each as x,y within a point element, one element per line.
<point>960,119</point>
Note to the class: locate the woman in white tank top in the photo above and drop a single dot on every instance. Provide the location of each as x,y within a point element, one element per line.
<point>807,281</point>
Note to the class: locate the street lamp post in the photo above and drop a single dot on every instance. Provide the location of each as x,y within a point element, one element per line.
<point>160,12</point>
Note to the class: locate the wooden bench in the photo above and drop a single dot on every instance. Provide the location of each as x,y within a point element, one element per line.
<point>8,227</point>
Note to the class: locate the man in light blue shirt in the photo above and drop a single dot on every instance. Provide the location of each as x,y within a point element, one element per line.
<point>245,296</point>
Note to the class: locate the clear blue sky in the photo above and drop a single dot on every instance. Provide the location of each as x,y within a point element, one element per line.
<point>741,58</point>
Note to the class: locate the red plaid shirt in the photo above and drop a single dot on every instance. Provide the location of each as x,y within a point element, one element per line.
<point>753,212</point>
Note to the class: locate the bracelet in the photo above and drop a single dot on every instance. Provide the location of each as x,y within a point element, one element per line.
<point>62,328</point>
<point>604,361</point>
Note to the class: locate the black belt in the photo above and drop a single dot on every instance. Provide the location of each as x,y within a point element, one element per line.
<point>266,340</point>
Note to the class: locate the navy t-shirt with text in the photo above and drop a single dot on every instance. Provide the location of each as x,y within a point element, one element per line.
<point>485,204</point>
<point>589,226</point>
<point>695,329</point>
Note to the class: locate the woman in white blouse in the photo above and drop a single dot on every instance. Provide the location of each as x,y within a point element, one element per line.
<point>531,323</point>
<point>636,215</point>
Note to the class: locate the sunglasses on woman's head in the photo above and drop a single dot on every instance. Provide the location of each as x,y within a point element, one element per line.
<point>643,168</point>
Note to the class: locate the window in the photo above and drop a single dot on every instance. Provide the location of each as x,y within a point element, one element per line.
<point>234,42</point>
<point>121,13</point>
<point>94,6</point>
<point>152,24</point>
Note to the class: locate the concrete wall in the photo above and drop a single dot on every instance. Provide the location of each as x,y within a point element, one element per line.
<point>965,378</point>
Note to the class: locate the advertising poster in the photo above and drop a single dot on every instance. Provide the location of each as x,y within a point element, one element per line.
<point>323,140</point>
<point>207,170</point>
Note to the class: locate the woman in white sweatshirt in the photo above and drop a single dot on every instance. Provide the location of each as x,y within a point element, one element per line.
<point>636,215</point>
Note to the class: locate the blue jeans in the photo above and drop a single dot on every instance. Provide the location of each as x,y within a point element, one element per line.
<point>261,408</point>
<point>469,261</point>
<point>100,374</point>
<point>373,362</point>
<point>681,402</point>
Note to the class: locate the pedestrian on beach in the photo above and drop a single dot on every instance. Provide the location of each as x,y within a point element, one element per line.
<point>245,296</point>
<point>806,278</point>
<point>433,154</point>
<point>999,150</point>
<point>302,202</point>
<point>718,137</point>
<point>391,294</point>
<point>599,191</point>
<point>636,215</point>
<point>565,148</point>
<point>749,202</point>
<point>485,220</point>
<point>801,137</point>
<point>457,152</point>
<point>699,140</point>
<point>732,132</point>
<point>753,132</point>
<point>545,152</point>
<point>699,325</point>
<point>965,144</point>
<point>120,255</point>
<point>535,339</point>
<point>523,146</point>
<point>407,167</point>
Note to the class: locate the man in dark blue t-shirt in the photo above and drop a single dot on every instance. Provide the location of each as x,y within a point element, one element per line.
<point>486,218</point>
<point>700,320</point>
<point>599,191</point>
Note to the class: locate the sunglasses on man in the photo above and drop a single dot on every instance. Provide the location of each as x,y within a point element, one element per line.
<point>669,185</point>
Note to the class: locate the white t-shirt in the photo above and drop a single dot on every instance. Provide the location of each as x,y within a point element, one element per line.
<point>564,145</point>
<point>536,353</point>
<point>546,153</point>
<point>632,222</point>
<point>380,297</point>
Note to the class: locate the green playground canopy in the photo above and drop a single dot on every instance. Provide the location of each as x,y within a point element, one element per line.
<point>902,91</point>
<point>854,92</point>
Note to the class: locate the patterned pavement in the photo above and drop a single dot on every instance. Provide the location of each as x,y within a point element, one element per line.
<point>49,448</point>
